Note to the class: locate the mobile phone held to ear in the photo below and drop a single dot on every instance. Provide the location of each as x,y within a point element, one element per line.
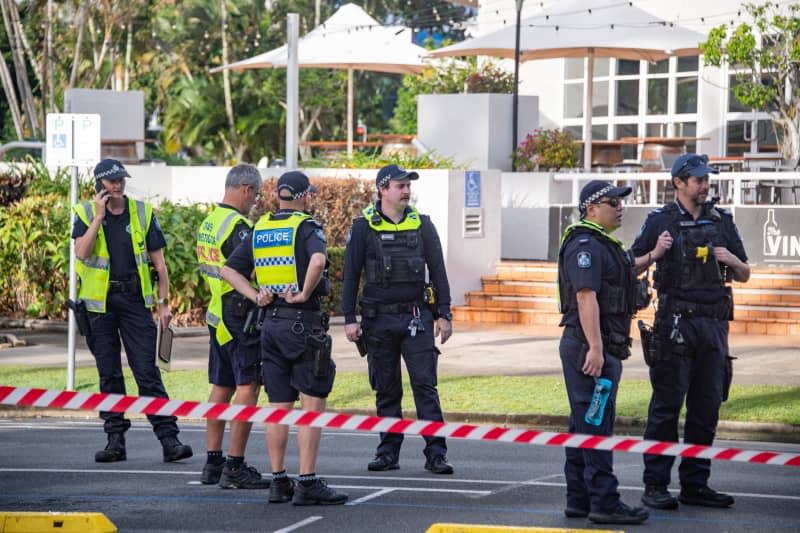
<point>98,187</point>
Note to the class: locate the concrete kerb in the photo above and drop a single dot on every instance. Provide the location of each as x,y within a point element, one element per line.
<point>770,432</point>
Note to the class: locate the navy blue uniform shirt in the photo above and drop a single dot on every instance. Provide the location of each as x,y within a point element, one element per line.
<point>310,240</point>
<point>118,239</point>
<point>588,263</point>
<point>662,219</point>
<point>361,245</point>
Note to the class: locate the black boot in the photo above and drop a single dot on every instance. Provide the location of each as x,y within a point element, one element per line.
<point>174,450</point>
<point>114,451</point>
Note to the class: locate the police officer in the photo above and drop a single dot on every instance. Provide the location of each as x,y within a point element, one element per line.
<point>287,249</point>
<point>234,359</point>
<point>596,280</point>
<point>393,243</point>
<point>116,240</point>
<point>697,249</point>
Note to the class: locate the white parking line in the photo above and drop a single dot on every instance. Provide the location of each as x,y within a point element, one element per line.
<point>368,497</point>
<point>298,525</point>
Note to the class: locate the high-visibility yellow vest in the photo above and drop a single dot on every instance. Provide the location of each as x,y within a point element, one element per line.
<point>212,234</point>
<point>95,272</point>
<point>273,251</point>
<point>411,222</point>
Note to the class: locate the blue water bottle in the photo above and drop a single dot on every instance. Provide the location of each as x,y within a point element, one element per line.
<point>602,389</point>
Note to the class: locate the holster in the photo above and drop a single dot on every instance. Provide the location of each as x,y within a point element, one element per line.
<point>649,344</point>
<point>361,344</point>
<point>614,344</point>
<point>238,305</point>
<point>254,320</point>
<point>318,350</point>
<point>726,386</point>
<point>81,317</point>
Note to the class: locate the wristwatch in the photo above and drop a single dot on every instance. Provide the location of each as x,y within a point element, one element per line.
<point>162,301</point>
<point>448,316</point>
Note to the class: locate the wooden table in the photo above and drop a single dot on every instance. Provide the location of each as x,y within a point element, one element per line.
<point>758,160</point>
<point>607,153</point>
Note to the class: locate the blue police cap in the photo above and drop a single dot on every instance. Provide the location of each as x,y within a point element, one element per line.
<point>296,184</point>
<point>596,189</point>
<point>393,172</point>
<point>110,169</point>
<point>692,165</point>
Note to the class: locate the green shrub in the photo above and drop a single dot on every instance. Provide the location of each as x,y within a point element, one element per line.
<point>189,294</point>
<point>34,256</point>
<point>546,149</point>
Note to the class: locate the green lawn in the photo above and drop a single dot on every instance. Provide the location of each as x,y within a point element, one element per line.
<point>484,394</point>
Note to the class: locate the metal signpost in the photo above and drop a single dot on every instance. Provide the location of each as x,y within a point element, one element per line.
<point>72,140</point>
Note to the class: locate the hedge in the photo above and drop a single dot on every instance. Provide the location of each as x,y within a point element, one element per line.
<point>34,243</point>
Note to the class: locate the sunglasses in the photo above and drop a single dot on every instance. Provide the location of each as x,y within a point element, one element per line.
<point>613,202</point>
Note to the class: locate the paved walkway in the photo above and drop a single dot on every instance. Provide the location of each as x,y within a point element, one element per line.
<point>474,349</point>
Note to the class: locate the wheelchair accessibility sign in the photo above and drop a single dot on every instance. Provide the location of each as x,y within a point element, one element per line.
<point>472,188</point>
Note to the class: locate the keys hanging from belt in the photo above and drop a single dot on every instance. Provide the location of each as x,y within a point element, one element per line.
<point>416,322</point>
<point>675,335</point>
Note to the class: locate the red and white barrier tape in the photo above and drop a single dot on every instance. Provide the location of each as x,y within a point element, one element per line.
<point>95,401</point>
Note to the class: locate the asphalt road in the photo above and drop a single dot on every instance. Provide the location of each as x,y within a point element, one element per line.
<point>47,465</point>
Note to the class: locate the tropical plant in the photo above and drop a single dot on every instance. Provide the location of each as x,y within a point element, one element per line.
<point>766,59</point>
<point>546,149</point>
<point>447,77</point>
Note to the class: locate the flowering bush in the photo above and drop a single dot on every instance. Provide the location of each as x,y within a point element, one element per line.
<point>546,149</point>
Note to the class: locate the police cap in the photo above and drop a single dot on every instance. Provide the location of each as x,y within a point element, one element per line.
<point>692,165</point>
<point>596,189</point>
<point>110,169</point>
<point>393,172</point>
<point>293,185</point>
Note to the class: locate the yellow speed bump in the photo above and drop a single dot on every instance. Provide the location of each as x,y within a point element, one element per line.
<point>43,522</point>
<point>477,528</point>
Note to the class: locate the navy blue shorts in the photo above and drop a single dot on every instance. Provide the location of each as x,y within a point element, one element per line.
<point>284,369</point>
<point>238,362</point>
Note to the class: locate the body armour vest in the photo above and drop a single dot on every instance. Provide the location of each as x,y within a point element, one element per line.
<point>399,250</point>
<point>617,298</point>
<point>95,271</point>
<point>691,264</point>
<point>213,233</point>
<point>274,254</point>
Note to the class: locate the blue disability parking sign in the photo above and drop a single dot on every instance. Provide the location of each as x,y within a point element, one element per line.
<point>472,188</point>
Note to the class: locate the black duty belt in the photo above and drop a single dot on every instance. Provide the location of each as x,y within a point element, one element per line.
<point>290,313</point>
<point>720,310</point>
<point>370,309</point>
<point>615,344</point>
<point>128,285</point>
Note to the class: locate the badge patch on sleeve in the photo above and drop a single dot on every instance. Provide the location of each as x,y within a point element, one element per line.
<point>584,260</point>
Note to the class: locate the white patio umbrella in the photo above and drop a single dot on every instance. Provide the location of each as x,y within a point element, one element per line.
<point>581,28</point>
<point>350,39</point>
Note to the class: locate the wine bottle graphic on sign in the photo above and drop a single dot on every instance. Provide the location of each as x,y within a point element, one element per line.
<point>771,234</point>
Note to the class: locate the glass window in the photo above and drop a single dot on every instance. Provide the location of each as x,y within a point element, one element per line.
<point>599,132</point>
<point>658,129</point>
<point>688,64</point>
<point>687,129</point>
<point>658,67</point>
<point>686,95</point>
<point>657,96</point>
<point>627,97</point>
<point>601,67</point>
<point>733,103</point>
<point>573,100</point>
<point>738,138</point>
<point>627,66</point>
<point>573,68</point>
<point>576,131</point>
<point>627,130</point>
<point>767,138</point>
<point>600,99</point>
